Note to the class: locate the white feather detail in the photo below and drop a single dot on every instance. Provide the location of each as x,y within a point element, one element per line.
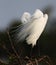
<point>32,28</point>
<point>25,17</point>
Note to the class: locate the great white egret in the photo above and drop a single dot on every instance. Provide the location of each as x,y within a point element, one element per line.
<point>39,21</point>
<point>31,27</point>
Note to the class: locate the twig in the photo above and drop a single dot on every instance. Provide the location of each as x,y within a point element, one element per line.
<point>14,48</point>
<point>4,47</point>
<point>30,63</point>
<point>1,61</point>
<point>49,59</point>
<point>46,61</point>
<point>36,61</point>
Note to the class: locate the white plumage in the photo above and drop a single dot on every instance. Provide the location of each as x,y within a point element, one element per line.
<point>25,17</point>
<point>38,26</point>
<point>32,27</point>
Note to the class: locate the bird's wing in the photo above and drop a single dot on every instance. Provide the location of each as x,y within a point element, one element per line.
<point>21,32</point>
<point>37,29</point>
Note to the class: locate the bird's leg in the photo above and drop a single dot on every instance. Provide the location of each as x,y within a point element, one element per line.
<point>31,52</point>
<point>38,48</point>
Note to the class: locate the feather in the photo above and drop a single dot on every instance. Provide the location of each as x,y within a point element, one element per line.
<point>31,30</point>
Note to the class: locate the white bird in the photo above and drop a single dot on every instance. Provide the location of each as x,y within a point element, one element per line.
<point>32,27</point>
<point>25,17</point>
<point>39,21</point>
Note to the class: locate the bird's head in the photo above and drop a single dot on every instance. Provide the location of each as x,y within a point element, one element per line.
<point>25,17</point>
<point>38,13</point>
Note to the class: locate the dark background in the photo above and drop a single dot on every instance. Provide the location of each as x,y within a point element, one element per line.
<point>46,42</point>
